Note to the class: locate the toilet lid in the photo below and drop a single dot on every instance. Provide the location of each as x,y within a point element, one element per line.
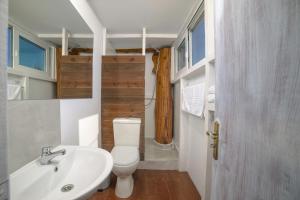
<point>125,155</point>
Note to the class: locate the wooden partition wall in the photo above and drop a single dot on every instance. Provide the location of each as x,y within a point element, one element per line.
<point>74,76</point>
<point>123,94</point>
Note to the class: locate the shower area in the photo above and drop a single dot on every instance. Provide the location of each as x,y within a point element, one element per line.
<point>136,85</point>
<point>159,145</point>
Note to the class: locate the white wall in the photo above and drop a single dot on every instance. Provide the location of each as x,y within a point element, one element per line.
<point>197,151</point>
<point>190,131</point>
<point>177,111</point>
<point>40,89</point>
<point>190,138</point>
<point>3,104</point>
<point>194,142</point>
<point>31,126</point>
<point>72,111</point>
<point>150,80</point>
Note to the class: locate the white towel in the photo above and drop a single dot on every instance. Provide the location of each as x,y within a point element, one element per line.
<point>13,91</point>
<point>193,99</point>
<point>211,98</point>
<point>211,90</point>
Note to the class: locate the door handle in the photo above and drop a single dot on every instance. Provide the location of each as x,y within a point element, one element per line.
<point>215,139</point>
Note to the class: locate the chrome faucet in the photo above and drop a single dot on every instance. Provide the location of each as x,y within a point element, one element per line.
<point>48,155</point>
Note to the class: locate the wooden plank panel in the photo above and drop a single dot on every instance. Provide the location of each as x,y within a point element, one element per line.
<point>79,92</point>
<point>123,107</point>
<point>123,59</point>
<point>76,67</point>
<point>83,76</point>
<point>123,94</point>
<point>108,83</point>
<point>135,111</point>
<point>135,67</point>
<point>122,76</point>
<point>74,76</point>
<point>77,59</point>
<point>76,84</point>
<point>122,100</point>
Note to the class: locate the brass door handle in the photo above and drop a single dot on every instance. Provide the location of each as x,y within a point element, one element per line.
<point>215,139</point>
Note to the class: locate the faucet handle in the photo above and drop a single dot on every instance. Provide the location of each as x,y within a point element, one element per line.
<point>46,150</point>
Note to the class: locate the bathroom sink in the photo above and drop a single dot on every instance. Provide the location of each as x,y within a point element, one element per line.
<point>75,175</point>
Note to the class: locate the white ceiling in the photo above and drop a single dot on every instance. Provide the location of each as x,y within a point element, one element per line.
<point>49,16</point>
<point>130,16</point>
<point>119,16</point>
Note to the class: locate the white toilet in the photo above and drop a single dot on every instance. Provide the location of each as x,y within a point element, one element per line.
<point>125,153</point>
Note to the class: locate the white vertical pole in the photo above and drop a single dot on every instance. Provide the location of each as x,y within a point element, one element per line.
<point>65,42</point>
<point>144,41</point>
<point>104,41</point>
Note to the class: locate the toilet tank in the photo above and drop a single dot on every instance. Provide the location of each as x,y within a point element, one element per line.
<point>127,131</point>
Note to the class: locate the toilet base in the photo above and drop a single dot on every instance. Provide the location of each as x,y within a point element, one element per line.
<point>124,187</point>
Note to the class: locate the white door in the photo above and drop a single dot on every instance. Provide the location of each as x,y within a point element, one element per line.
<point>258,100</point>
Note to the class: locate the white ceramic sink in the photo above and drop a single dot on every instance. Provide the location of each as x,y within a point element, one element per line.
<point>83,167</point>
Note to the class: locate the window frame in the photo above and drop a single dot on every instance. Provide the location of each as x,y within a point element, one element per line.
<point>198,15</point>
<point>176,46</point>
<point>18,69</point>
<point>45,52</point>
<point>11,47</point>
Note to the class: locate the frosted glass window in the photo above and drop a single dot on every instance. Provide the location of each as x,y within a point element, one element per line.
<point>181,60</point>
<point>31,55</point>
<point>9,47</point>
<point>198,41</point>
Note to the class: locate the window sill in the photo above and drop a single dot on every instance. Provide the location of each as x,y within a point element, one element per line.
<point>211,59</point>
<point>24,73</point>
<point>191,72</point>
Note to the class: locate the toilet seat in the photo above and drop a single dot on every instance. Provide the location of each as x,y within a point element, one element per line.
<point>125,155</point>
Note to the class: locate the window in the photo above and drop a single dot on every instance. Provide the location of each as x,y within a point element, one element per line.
<point>189,48</point>
<point>197,37</point>
<point>31,55</point>
<point>28,55</point>
<point>9,53</point>
<point>181,59</point>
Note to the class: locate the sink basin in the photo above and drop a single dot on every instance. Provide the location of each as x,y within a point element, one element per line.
<point>75,175</point>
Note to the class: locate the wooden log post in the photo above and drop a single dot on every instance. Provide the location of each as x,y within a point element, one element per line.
<point>164,102</point>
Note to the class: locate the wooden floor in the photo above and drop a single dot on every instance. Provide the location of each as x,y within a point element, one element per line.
<point>156,185</point>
